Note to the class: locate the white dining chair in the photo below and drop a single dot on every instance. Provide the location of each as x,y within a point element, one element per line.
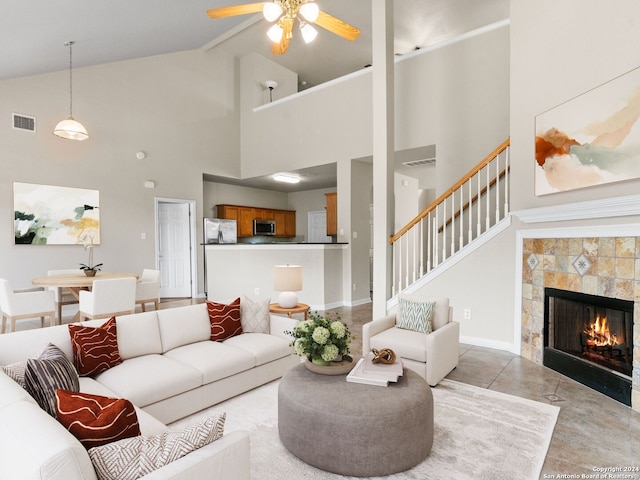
<point>148,288</point>
<point>107,298</point>
<point>27,303</point>
<point>63,296</point>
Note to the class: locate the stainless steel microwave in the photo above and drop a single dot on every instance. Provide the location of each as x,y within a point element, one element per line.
<point>264,227</point>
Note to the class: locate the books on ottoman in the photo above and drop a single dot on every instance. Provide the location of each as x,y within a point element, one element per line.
<point>371,373</point>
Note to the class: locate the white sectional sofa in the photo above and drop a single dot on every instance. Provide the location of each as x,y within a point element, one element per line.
<point>170,370</point>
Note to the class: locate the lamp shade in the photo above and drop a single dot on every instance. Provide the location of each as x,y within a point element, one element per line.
<point>71,129</point>
<point>287,279</point>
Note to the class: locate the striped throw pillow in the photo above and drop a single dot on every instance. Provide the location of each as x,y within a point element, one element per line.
<point>135,457</point>
<point>52,370</point>
<point>95,349</point>
<point>96,420</point>
<point>415,315</point>
<point>224,320</point>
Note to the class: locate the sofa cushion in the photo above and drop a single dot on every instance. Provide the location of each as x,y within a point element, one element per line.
<point>34,445</point>
<point>96,420</point>
<point>254,315</point>
<point>184,325</point>
<point>148,425</point>
<point>12,392</point>
<point>441,313</point>
<point>415,315</point>
<point>224,319</point>
<point>135,457</point>
<point>138,334</point>
<point>264,347</point>
<point>214,360</point>
<point>149,379</point>
<point>405,343</point>
<point>47,373</point>
<point>95,349</point>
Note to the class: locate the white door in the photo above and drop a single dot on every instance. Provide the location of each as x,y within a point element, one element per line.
<point>317,227</point>
<point>174,249</point>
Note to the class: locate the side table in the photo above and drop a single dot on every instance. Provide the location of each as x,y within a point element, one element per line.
<point>299,308</point>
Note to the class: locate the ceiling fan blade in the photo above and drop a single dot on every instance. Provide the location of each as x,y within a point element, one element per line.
<point>233,10</point>
<point>287,25</point>
<point>337,26</point>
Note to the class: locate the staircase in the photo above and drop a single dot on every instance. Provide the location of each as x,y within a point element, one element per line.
<point>473,210</point>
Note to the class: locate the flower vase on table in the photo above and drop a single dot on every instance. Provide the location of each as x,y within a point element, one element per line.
<point>324,343</point>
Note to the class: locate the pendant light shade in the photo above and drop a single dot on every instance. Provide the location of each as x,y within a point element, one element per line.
<point>70,128</point>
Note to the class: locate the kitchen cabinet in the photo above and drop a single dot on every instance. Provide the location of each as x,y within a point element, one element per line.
<point>332,213</point>
<point>244,215</point>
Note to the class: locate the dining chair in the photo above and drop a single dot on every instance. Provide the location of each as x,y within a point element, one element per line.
<point>63,296</point>
<point>108,297</point>
<point>27,303</point>
<point>148,288</point>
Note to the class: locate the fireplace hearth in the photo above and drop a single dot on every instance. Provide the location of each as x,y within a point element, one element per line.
<point>590,338</point>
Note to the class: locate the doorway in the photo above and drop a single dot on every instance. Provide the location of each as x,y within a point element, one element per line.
<point>317,226</point>
<point>176,247</point>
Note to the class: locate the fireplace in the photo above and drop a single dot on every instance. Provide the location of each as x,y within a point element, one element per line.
<point>590,338</point>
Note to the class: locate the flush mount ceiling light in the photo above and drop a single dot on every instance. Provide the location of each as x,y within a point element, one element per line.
<point>284,13</point>
<point>70,128</point>
<point>286,177</point>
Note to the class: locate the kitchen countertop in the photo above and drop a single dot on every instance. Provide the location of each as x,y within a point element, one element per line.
<point>271,243</point>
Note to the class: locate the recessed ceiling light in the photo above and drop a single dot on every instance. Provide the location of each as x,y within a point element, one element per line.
<point>286,177</point>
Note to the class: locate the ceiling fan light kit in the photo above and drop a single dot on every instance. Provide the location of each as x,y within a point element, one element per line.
<point>70,128</point>
<point>284,13</point>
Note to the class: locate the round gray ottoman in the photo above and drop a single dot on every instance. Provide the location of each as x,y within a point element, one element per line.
<point>355,429</point>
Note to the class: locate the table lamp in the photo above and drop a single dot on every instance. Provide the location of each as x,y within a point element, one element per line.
<point>287,279</point>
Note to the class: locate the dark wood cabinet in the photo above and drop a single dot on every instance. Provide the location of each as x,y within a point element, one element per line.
<point>332,213</point>
<point>285,219</point>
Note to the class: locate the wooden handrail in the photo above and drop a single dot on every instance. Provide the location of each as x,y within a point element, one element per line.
<point>499,149</point>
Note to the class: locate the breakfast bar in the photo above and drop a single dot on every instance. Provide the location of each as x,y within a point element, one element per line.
<point>234,269</point>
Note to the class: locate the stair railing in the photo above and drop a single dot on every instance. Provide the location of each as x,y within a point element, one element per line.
<point>469,208</point>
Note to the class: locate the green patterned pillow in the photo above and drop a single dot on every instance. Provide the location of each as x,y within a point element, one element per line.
<point>415,315</point>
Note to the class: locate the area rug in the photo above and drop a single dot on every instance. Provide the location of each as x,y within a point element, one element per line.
<point>478,434</point>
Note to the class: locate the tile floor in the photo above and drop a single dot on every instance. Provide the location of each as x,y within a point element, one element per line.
<point>592,430</point>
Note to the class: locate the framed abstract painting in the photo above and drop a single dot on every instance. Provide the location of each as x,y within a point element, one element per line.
<point>50,215</point>
<point>592,139</point>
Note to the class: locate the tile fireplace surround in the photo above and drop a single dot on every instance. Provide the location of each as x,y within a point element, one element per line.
<point>606,266</point>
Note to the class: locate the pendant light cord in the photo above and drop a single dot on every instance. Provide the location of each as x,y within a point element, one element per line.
<point>70,44</point>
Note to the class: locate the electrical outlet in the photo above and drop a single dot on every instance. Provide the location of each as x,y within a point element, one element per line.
<point>256,291</point>
<point>355,287</point>
<point>467,314</point>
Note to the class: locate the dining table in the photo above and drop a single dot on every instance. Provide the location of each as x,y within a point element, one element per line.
<point>75,282</point>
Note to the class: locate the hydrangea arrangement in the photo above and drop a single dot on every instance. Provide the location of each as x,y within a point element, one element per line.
<point>321,339</point>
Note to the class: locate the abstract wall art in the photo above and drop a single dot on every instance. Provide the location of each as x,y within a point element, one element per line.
<point>592,139</point>
<point>50,215</point>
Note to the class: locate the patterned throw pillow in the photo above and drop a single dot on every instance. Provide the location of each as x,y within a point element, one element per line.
<point>135,457</point>
<point>224,320</point>
<point>254,316</point>
<point>415,315</point>
<point>51,371</point>
<point>96,420</point>
<point>95,349</point>
<point>15,371</point>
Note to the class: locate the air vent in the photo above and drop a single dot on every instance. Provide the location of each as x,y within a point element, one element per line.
<point>24,122</point>
<point>420,163</point>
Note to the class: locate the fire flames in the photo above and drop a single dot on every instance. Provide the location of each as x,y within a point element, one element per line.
<point>598,333</point>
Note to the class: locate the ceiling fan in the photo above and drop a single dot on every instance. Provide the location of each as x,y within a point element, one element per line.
<point>284,13</point>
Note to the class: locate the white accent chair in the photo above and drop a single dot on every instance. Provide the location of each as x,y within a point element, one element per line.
<point>108,297</point>
<point>432,355</point>
<point>26,303</point>
<point>148,289</point>
<point>63,295</point>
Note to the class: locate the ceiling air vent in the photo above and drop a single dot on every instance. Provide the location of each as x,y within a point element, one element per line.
<point>24,122</point>
<point>420,163</point>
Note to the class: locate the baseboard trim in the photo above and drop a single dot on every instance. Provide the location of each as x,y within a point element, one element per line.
<point>484,342</point>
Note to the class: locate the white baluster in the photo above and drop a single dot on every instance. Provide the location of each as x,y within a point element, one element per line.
<point>469,182</point>
<point>488,199</point>
<point>497,188</point>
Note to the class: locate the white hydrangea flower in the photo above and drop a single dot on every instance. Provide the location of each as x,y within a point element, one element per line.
<point>321,335</point>
<point>338,329</point>
<point>330,353</point>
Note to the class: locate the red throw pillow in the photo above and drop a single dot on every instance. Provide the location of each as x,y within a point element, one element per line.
<point>96,420</point>
<point>95,349</point>
<point>224,320</point>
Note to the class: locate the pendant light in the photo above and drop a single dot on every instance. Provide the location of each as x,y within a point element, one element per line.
<point>70,128</point>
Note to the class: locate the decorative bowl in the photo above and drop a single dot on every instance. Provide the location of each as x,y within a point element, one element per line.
<point>335,368</point>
